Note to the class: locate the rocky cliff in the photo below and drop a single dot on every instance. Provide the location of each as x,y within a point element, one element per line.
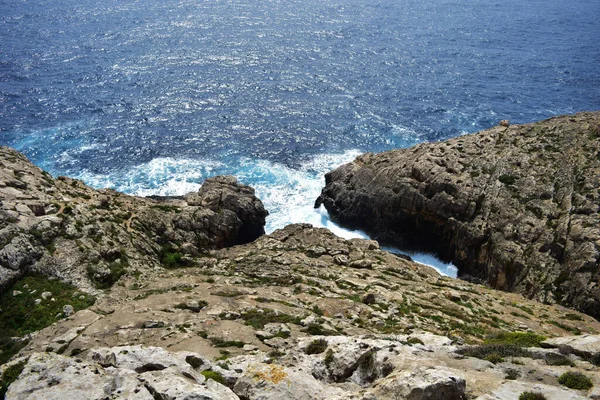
<point>303,314</point>
<point>297,314</point>
<point>64,229</point>
<point>514,206</point>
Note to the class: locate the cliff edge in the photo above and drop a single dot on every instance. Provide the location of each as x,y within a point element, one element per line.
<point>61,228</point>
<point>515,206</point>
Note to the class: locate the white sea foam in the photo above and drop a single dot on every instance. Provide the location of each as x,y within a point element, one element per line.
<point>288,193</point>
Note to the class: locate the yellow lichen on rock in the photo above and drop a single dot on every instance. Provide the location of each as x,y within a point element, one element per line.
<point>274,374</point>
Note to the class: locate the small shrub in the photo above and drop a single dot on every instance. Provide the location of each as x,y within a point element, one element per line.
<point>575,380</point>
<point>218,342</point>
<point>502,350</point>
<point>558,359</point>
<point>10,375</point>
<point>259,318</point>
<point>522,339</point>
<point>185,306</point>
<point>215,376</point>
<point>494,358</point>
<point>318,330</point>
<point>328,357</point>
<point>573,317</point>
<point>507,179</point>
<point>275,354</point>
<point>532,396</point>
<point>415,340</point>
<point>317,346</point>
<point>511,374</point>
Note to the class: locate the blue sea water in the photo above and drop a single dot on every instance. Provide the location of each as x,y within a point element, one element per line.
<point>152,97</point>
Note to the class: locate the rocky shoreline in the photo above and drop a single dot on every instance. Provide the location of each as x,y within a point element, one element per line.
<point>62,228</point>
<point>186,298</point>
<point>514,206</point>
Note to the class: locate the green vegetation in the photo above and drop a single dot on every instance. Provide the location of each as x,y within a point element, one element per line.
<point>575,380</point>
<point>317,346</point>
<point>511,374</point>
<point>21,315</point>
<point>558,359</point>
<point>171,258</point>
<point>185,306</point>
<point>258,318</point>
<point>215,376</point>
<point>494,352</point>
<point>104,281</point>
<point>507,179</point>
<point>522,339</point>
<point>415,340</point>
<point>328,357</point>
<point>318,330</point>
<point>532,396</point>
<point>218,342</point>
<point>10,375</point>
<point>573,317</point>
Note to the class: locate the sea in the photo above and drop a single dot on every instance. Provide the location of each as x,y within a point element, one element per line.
<point>152,97</point>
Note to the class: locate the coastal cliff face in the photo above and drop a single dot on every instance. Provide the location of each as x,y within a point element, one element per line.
<point>516,207</point>
<point>63,229</point>
<point>297,314</point>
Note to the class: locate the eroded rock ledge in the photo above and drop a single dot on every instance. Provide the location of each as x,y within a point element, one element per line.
<point>516,206</point>
<point>64,229</point>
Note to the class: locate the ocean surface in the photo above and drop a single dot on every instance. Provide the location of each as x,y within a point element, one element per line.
<point>152,97</point>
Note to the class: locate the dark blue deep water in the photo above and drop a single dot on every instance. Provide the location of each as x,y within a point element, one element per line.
<point>151,97</point>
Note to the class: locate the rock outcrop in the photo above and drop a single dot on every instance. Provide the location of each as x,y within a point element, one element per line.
<point>295,315</point>
<point>64,229</point>
<point>515,206</point>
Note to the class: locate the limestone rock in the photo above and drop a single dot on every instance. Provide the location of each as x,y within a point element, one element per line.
<point>275,382</point>
<point>127,372</point>
<point>512,389</point>
<point>586,346</point>
<point>422,384</point>
<point>64,229</point>
<point>52,376</point>
<point>515,206</point>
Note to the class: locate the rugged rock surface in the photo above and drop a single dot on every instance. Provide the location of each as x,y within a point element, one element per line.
<point>62,228</point>
<point>297,314</point>
<point>516,206</point>
<point>294,315</point>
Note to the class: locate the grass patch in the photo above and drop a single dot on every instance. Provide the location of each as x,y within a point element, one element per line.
<point>494,352</point>
<point>507,179</point>
<point>215,376</point>
<point>522,339</point>
<point>10,375</point>
<point>20,315</point>
<point>532,396</point>
<point>185,306</point>
<point>258,318</point>
<point>318,330</point>
<point>575,380</point>
<point>317,346</point>
<point>226,293</point>
<point>218,342</point>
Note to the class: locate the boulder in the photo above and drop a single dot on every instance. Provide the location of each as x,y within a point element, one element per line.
<point>433,383</point>
<point>274,382</point>
<point>586,346</point>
